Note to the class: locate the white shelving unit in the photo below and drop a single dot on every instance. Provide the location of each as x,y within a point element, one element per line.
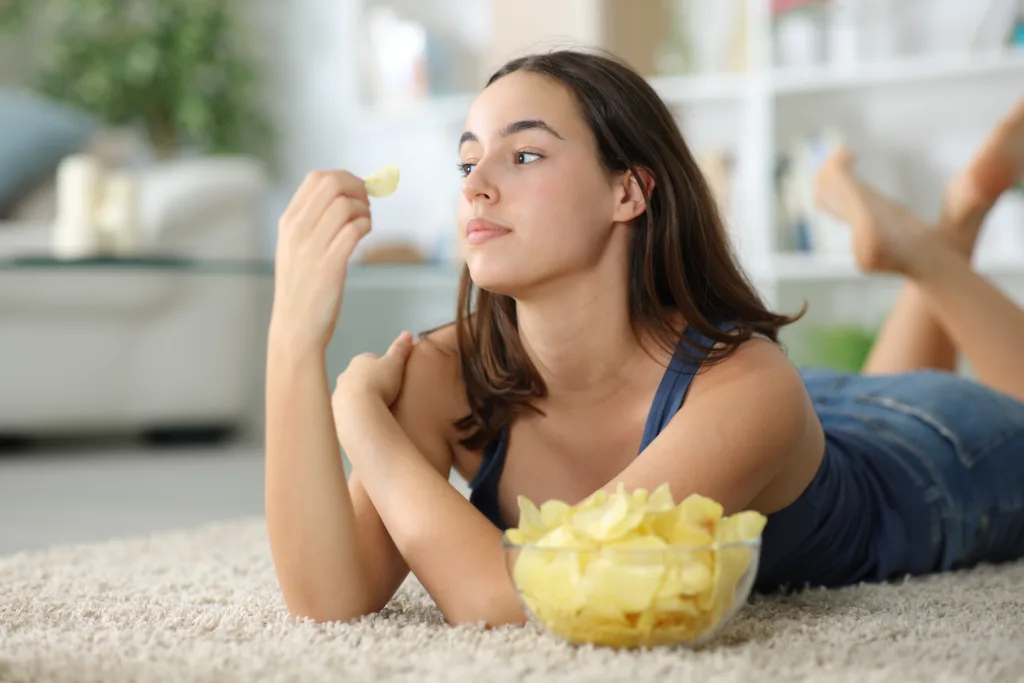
<point>753,97</point>
<point>691,90</point>
<point>839,268</point>
<point>938,69</point>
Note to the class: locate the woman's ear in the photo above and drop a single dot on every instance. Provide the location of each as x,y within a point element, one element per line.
<point>632,202</point>
<point>647,178</point>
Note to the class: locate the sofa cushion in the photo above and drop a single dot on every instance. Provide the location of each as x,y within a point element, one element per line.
<point>35,134</point>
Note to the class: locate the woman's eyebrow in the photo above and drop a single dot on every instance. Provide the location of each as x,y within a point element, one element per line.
<point>512,128</point>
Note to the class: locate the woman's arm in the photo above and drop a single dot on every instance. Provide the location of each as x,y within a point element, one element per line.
<point>311,522</point>
<point>454,551</point>
<point>748,421</point>
<point>335,559</point>
<point>332,554</point>
<point>730,442</point>
<point>425,411</point>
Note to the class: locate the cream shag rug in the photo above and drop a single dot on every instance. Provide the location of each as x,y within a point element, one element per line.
<point>202,605</point>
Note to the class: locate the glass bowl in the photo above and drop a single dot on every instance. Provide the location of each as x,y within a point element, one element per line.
<point>633,598</point>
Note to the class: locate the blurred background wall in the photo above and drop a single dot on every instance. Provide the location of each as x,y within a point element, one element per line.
<point>147,148</point>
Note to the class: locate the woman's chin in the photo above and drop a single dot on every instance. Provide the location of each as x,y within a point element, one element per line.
<point>496,278</point>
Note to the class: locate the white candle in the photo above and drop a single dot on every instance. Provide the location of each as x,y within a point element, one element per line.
<point>74,232</point>
<point>117,214</point>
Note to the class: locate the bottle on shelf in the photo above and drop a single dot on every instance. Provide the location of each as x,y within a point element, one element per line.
<point>804,226</point>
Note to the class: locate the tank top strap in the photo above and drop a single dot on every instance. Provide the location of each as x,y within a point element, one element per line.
<point>484,486</point>
<point>676,381</point>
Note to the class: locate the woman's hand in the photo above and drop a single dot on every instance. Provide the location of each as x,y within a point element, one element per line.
<point>368,375</point>
<point>317,234</point>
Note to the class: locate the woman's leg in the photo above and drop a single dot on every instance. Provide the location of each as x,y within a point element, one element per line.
<point>912,337</point>
<point>985,325</point>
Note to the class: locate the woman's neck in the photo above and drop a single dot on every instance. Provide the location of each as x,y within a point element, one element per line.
<point>581,342</point>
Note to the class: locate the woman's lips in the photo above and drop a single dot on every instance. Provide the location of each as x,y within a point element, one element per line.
<point>479,230</point>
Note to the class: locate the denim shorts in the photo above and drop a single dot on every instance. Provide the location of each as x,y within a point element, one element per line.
<point>961,445</point>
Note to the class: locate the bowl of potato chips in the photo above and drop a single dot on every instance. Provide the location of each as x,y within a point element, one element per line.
<point>633,569</point>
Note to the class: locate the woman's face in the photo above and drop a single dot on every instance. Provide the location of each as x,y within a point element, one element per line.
<point>536,204</point>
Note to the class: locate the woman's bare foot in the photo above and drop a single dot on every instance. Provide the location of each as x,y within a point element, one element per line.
<point>996,166</point>
<point>885,232</point>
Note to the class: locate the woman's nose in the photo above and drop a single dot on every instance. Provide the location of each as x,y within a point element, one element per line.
<point>479,184</point>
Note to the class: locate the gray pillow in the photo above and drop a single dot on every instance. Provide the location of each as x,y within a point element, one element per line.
<point>35,134</point>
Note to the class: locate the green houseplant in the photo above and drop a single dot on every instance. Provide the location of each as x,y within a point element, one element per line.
<point>182,70</point>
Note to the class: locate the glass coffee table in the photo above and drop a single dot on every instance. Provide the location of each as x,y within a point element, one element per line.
<point>360,276</point>
<point>155,262</point>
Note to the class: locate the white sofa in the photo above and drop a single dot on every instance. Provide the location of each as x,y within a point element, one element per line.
<point>91,349</point>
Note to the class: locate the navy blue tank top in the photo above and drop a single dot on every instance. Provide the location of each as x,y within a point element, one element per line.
<point>846,527</point>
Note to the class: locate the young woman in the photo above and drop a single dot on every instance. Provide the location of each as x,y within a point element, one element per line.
<point>598,281</point>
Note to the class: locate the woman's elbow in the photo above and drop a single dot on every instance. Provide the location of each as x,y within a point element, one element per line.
<point>325,613</point>
<point>489,613</point>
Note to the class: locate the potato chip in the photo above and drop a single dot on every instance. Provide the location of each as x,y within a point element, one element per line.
<point>599,497</point>
<point>382,182</point>
<point>687,579</point>
<point>639,542</point>
<point>555,513</point>
<point>598,612</point>
<point>531,523</point>
<point>732,560</point>
<point>660,500</point>
<point>548,578</point>
<point>608,521</point>
<point>633,568</point>
<point>672,606</point>
<point>628,588</point>
<point>700,511</point>
<point>516,536</point>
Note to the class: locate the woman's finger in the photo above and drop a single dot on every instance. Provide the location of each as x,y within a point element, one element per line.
<point>345,241</point>
<point>340,212</point>
<point>400,348</point>
<point>301,196</point>
<point>331,185</point>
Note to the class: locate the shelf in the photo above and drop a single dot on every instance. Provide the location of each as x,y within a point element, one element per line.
<point>782,268</point>
<point>801,267</point>
<point>450,110</point>
<point>682,90</point>
<point>910,71</point>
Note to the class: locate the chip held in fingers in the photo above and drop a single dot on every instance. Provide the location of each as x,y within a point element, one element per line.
<point>633,569</point>
<point>383,181</point>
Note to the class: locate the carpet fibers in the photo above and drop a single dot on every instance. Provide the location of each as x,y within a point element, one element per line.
<point>202,605</point>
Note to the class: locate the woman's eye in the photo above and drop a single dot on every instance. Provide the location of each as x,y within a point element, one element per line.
<point>521,158</point>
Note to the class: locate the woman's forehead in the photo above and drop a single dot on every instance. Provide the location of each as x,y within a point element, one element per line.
<point>523,96</point>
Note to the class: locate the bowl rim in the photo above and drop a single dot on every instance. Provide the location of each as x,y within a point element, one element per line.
<point>752,543</point>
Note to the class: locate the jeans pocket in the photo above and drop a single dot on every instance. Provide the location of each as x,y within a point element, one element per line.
<point>973,418</point>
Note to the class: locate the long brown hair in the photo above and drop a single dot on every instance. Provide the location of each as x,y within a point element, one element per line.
<point>681,261</point>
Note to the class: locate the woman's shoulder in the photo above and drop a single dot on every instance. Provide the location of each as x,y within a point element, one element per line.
<point>757,353</point>
<point>433,395</point>
<point>757,365</point>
